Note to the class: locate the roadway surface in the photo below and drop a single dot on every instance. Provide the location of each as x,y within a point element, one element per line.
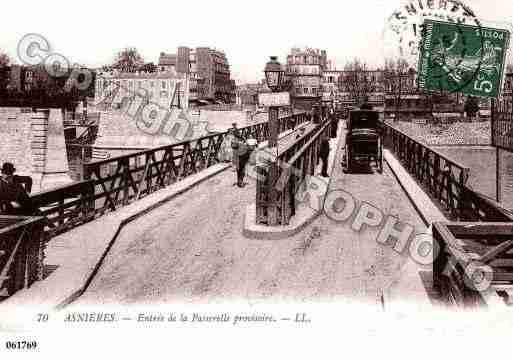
<point>191,250</point>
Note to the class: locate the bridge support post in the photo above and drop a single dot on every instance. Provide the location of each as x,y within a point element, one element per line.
<point>38,142</point>
<point>49,158</point>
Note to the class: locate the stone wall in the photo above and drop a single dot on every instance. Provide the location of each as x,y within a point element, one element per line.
<point>25,142</point>
<point>15,139</point>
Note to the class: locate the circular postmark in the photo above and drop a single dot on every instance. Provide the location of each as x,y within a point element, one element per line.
<point>455,56</point>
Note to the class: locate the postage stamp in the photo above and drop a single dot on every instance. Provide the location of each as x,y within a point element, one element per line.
<point>402,34</point>
<point>462,58</point>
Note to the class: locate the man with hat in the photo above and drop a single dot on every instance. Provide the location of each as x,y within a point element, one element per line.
<point>14,190</point>
<point>244,153</point>
<point>235,141</point>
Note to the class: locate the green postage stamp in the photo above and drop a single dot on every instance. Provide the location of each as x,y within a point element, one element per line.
<point>462,58</point>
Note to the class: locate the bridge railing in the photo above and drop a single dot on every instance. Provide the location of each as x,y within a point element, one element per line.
<point>444,179</point>
<point>65,207</point>
<point>121,180</point>
<point>468,251</point>
<point>21,253</point>
<point>118,181</point>
<point>275,204</point>
<point>81,119</point>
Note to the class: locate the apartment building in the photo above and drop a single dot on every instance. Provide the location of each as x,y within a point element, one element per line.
<point>165,89</point>
<point>306,67</point>
<point>209,73</point>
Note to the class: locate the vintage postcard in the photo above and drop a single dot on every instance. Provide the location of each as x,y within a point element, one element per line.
<point>240,179</point>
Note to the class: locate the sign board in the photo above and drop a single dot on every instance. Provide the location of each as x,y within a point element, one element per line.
<point>274,99</point>
<point>462,58</point>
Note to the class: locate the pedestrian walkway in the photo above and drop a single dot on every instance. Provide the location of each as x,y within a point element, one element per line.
<point>192,250</point>
<point>73,257</point>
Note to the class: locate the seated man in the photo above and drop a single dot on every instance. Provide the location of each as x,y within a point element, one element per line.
<point>14,198</point>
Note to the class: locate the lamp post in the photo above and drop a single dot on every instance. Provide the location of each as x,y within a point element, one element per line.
<point>274,77</point>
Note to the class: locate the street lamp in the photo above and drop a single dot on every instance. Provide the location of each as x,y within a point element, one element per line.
<point>274,74</point>
<point>274,77</point>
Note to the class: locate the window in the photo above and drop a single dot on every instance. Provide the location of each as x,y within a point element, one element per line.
<point>152,84</point>
<point>163,85</point>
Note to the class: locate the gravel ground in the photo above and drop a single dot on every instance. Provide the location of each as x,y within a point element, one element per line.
<point>191,250</point>
<point>462,133</point>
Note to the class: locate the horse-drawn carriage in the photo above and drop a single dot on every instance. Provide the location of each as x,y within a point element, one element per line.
<point>364,139</point>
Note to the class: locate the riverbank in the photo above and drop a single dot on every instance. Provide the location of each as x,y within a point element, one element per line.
<point>457,133</point>
<point>118,130</point>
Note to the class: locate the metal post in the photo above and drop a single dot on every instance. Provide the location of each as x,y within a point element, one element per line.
<point>273,166</point>
<point>84,110</point>
<point>273,127</point>
<point>498,187</point>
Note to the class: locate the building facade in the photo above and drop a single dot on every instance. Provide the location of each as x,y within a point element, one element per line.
<point>119,90</point>
<point>330,87</point>
<point>305,68</point>
<point>209,73</point>
<point>396,94</point>
<point>353,86</point>
<point>247,94</point>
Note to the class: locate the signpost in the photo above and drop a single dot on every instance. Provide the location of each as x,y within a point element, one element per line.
<point>275,99</point>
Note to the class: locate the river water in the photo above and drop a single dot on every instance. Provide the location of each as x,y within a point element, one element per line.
<point>481,161</point>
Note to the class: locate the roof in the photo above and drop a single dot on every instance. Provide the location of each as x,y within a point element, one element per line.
<point>167,59</point>
<point>145,75</point>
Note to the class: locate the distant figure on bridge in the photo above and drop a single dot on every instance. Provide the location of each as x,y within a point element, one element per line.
<point>244,153</point>
<point>235,141</point>
<point>334,123</point>
<point>324,152</point>
<point>14,192</point>
<point>366,105</point>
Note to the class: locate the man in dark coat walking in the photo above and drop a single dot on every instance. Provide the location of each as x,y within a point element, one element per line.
<point>324,152</point>
<point>244,152</point>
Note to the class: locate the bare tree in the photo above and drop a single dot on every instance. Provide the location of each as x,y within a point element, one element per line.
<point>4,59</point>
<point>356,80</point>
<point>128,60</point>
<point>4,73</point>
<point>395,74</point>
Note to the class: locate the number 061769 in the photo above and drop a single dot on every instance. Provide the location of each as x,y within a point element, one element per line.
<point>20,345</point>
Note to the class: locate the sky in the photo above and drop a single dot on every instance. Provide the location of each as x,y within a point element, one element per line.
<point>93,31</point>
